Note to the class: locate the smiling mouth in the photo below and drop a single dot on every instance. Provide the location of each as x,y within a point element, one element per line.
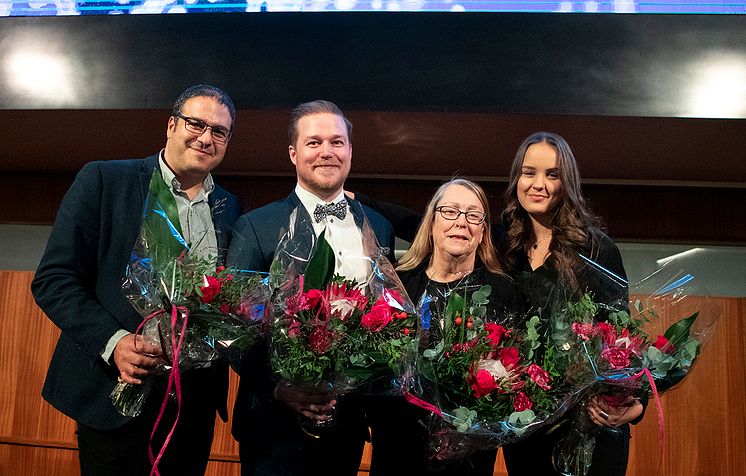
<point>201,151</point>
<point>326,168</point>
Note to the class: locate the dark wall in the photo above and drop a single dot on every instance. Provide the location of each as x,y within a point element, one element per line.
<point>598,64</point>
<point>431,94</point>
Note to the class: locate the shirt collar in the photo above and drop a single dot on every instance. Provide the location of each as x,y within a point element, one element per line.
<point>208,185</point>
<point>309,200</point>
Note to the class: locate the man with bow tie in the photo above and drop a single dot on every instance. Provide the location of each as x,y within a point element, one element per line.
<point>265,418</point>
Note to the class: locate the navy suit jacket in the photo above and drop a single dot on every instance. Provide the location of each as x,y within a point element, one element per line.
<point>78,283</point>
<point>255,238</point>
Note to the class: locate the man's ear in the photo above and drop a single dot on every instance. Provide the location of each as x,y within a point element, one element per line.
<point>292,154</point>
<point>171,127</point>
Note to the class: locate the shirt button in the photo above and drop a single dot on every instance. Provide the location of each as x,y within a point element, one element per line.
<point>340,253</point>
<point>331,220</point>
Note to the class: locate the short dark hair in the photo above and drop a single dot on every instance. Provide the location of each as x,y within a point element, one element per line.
<point>205,90</point>
<point>318,106</point>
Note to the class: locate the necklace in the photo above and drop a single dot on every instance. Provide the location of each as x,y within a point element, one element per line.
<point>536,245</point>
<point>457,275</point>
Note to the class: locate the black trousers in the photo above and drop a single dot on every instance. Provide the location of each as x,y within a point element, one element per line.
<point>124,450</point>
<point>401,445</point>
<point>274,444</point>
<point>533,456</point>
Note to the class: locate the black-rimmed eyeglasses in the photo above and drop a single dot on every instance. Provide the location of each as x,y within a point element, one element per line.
<point>472,216</point>
<point>198,126</point>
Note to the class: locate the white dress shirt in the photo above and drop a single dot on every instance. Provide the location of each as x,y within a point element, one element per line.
<point>344,237</point>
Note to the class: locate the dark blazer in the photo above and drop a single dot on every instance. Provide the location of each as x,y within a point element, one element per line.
<point>78,283</point>
<point>255,238</point>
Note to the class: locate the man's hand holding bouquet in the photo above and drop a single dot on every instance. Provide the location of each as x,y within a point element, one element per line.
<point>194,312</point>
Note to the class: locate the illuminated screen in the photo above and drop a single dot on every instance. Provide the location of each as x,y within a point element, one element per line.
<point>66,7</point>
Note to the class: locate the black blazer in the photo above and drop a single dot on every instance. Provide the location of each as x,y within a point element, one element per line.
<point>255,238</point>
<point>78,283</point>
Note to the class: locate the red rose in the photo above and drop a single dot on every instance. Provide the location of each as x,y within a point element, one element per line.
<point>314,298</point>
<point>378,317</point>
<point>662,344</point>
<point>617,357</point>
<point>225,308</point>
<point>496,333</point>
<point>483,383</point>
<point>540,376</point>
<point>210,289</point>
<point>393,296</point>
<point>509,357</point>
<point>607,332</point>
<point>521,402</point>
<point>584,330</point>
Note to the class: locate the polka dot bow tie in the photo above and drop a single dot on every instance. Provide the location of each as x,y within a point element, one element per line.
<point>338,210</point>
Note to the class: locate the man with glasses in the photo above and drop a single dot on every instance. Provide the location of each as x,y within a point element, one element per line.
<point>78,284</point>
<point>265,418</point>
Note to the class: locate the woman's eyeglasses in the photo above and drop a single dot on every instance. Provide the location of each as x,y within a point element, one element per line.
<point>472,216</point>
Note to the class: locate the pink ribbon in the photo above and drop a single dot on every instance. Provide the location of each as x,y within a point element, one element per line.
<point>174,382</point>
<point>661,422</point>
<point>422,403</point>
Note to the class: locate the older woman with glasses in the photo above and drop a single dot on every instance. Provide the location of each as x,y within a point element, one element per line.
<point>452,250</point>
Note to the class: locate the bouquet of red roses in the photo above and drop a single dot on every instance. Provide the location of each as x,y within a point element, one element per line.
<point>626,362</point>
<point>482,374</point>
<point>331,334</point>
<point>195,311</point>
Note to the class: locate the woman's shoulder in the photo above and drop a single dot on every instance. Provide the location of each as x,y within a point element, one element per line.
<point>601,236</point>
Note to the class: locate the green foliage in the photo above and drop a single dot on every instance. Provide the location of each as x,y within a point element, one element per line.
<point>320,268</point>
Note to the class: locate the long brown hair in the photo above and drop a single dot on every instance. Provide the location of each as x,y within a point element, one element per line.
<point>422,245</point>
<point>571,223</point>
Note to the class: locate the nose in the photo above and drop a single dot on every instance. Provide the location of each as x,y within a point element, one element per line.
<point>206,136</point>
<point>538,182</point>
<point>326,149</point>
<point>461,220</point>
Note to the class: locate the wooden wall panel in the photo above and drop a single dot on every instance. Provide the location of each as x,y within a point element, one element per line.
<point>647,213</point>
<point>38,461</point>
<point>704,418</point>
<point>27,339</point>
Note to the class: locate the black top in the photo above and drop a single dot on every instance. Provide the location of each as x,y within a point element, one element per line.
<point>602,274</point>
<point>505,304</point>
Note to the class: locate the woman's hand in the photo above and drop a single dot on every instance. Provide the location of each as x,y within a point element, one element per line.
<point>603,414</point>
<point>317,406</point>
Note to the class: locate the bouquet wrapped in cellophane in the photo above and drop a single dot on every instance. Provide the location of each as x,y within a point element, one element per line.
<point>636,351</point>
<point>195,311</point>
<point>483,372</point>
<point>331,334</point>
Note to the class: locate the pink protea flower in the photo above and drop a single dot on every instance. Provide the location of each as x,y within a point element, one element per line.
<point>344,301</point>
